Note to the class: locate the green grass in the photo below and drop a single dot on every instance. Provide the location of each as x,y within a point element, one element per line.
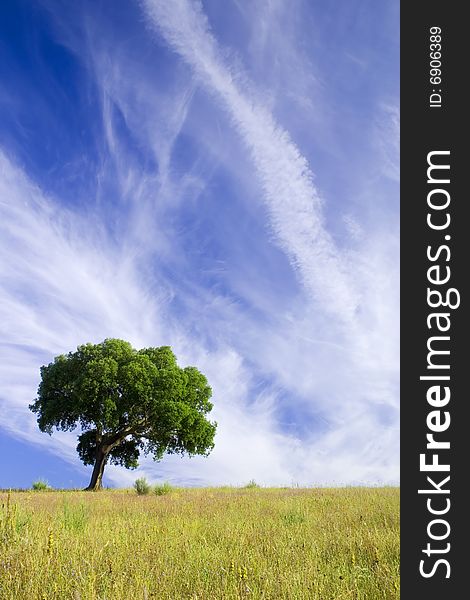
<point>201,544</point>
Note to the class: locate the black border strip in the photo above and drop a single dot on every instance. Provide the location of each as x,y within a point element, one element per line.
<point>430,124</point>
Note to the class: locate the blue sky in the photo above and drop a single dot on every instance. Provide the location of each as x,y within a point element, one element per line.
<point>220,177</point>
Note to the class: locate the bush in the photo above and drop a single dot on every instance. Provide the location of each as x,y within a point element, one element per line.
<point>142,486</point>
<point>251,484</point>
<point>162,488</point>
<point>40,486</point>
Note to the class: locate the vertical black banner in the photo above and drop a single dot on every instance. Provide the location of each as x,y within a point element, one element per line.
<point>434,305</point>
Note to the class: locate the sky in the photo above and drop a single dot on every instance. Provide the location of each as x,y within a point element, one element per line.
<point>222,178</point>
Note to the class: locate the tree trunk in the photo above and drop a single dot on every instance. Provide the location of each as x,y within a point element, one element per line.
<point>98,469</point>
<point>105,446</point>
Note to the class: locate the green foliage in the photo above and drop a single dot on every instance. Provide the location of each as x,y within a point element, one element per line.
<point>251,485</point>
<point>142,487</point>
<point>126,402</point>
<point>40,486</point>
<point>160,489</point>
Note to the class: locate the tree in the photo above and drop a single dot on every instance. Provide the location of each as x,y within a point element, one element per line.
<point>126,401</point>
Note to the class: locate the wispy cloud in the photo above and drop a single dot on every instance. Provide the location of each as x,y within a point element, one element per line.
<point>66,283</point>
<point>304,372</point>
<point>353,287</point>
<point>293,201</point>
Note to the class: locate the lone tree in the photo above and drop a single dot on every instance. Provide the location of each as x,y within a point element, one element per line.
<point>125,401</point>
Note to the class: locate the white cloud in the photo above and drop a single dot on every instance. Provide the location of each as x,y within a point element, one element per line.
<point>354,291</point>
<point>333,353</point>
<point>293,201</point>
<point>64,285</point>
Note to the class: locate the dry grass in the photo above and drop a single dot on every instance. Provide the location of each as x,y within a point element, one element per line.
<point>201,544</point>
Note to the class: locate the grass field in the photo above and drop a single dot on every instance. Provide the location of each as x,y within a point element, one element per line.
<point>200,544</point>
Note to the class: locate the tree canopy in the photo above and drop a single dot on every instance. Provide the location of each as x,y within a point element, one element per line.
<point>125,401</point>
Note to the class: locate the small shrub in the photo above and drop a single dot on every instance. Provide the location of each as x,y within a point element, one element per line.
<point>162,488</point>
<point>142,486</point>
<point>251,484</point>
<point>40,486</point>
